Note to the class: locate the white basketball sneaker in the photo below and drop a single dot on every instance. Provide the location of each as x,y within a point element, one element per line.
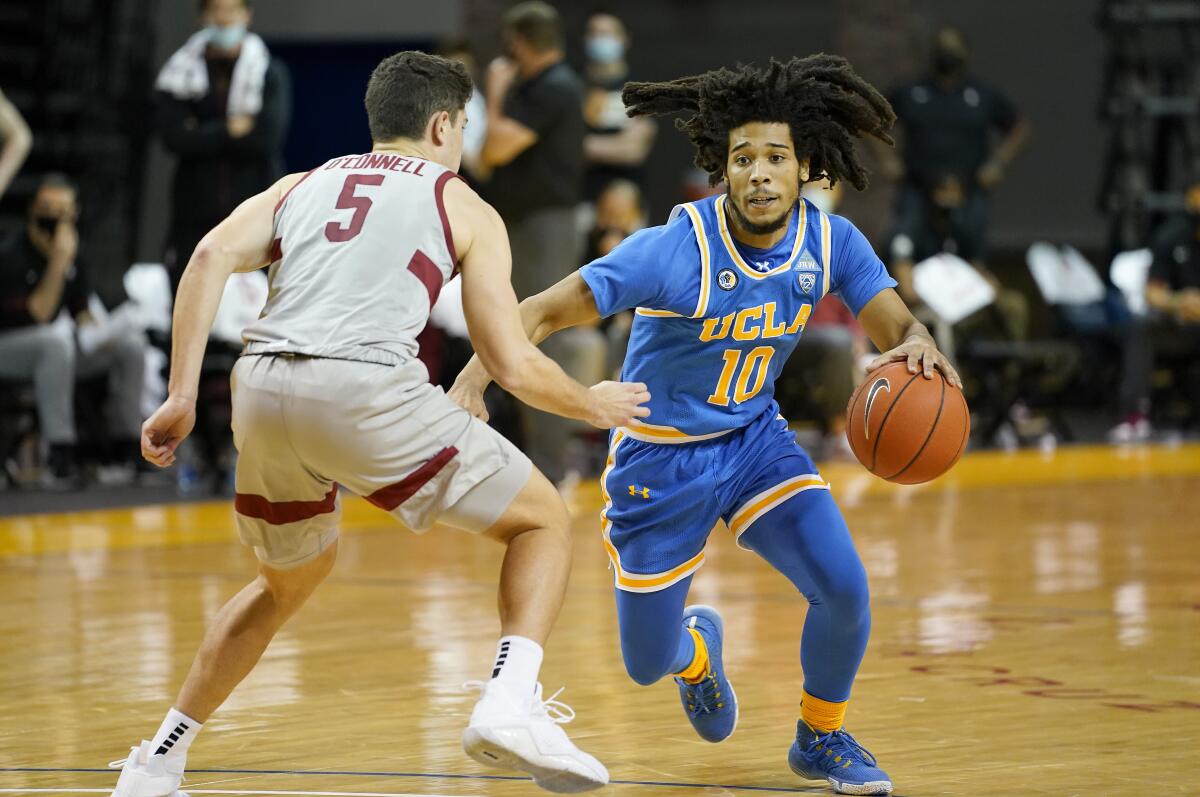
<point>511,731</point>
<point>146,775</point>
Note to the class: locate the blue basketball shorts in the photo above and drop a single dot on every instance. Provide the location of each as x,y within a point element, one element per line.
<point>662,500</point>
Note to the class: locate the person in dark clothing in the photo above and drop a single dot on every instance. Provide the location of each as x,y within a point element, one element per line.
<point>1171,326</point>
<point>534,145</point>
<point>616,147</point>
<point>222,106</point>
<point>948,164</point>
<point>42,275</point>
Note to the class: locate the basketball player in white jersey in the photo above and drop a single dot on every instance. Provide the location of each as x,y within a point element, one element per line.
<point>329,391</point>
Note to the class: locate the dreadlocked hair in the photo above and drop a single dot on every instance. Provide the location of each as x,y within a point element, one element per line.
<point>820,97</point>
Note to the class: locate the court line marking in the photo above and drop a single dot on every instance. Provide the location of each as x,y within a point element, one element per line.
<point>432,775</point>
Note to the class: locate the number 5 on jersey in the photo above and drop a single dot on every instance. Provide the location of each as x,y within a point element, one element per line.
<point>347,200</point>
<point>755,367</point>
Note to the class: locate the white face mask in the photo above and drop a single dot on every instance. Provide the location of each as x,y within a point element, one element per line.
<point>818,195</point>
<point>226,37</point>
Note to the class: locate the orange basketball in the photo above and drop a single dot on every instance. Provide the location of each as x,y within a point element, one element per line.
<point>906,428</point>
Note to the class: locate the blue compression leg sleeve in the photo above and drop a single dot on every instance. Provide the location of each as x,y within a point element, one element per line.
<point>806,539</point>
<point>653,641</point>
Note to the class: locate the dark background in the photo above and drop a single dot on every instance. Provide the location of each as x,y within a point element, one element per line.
<point>1047,56</point>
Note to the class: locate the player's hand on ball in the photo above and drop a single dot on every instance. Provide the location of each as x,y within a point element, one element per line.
<point>922,355</point>
<point>617,403</point>
<point>166,429</point>
<point>470,398</point>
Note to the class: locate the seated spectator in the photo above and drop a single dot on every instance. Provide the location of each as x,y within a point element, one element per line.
<point>616,147</point>
<point>42,275</point>
<point>1171,326</point>
<point>620,212</point>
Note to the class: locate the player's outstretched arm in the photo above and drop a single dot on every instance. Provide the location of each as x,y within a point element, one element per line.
<point>568,303</point>
<point>501,339</point>
<point>900,336</point>
<point>242,242</point>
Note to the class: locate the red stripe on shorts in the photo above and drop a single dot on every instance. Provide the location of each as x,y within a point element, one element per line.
<point>277,513</point>
<point>392,496</point>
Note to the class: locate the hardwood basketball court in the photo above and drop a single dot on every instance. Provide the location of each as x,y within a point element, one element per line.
<point>1036,632</point>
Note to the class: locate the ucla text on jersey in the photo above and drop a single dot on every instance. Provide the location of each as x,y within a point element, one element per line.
<point>715,320</point>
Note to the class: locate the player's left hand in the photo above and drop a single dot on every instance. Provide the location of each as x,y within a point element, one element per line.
<point>166,429</point>
<point>922,354</point>
<point>470,398</point>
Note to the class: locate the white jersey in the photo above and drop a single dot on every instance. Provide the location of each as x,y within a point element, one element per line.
<point>362,248</point>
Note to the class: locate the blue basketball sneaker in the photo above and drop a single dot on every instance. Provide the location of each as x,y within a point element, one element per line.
<point>710,705</point>
<point>836,757</point>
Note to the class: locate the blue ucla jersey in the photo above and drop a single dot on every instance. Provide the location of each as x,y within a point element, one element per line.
<point>715,320</point>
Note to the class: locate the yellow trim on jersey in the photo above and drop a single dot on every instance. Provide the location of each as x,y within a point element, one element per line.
<point>649,433</point>
<point>705,260</point>
<point>797,247</point>
<point>646,311</point>
<point>635,582</point>
<point>770,498</point>
<point>826,249</point>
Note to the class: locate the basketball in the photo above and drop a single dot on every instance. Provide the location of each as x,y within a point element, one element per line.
<point>905,428</point>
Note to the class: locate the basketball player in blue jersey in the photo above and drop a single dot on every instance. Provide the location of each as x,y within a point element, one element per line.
<point>721,293</point>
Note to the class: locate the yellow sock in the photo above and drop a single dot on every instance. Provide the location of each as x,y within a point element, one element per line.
<point>821,715</point>
<point>695,672</point>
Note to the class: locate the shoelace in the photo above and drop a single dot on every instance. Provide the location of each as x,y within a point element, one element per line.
<point>556,711</point>
<point>843,745</point>
<point>705,697</point>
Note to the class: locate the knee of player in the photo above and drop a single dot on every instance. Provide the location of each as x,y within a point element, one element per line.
<point>643,669</point>
<point>849,598</point>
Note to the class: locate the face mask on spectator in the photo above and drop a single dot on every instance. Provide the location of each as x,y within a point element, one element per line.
<point>605,49</point>
<point>947,62</point>
<point>226,37</point>
<point>48,224</point>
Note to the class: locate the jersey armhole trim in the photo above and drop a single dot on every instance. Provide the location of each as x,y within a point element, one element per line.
<point>288,192</point>
<point>705,260</point>
<point>826,252</point>
<point>438,192</point>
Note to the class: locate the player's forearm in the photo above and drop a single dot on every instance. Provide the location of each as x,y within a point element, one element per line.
<point>539,382</point>
<point>200,291</point>
<point>538,326</point>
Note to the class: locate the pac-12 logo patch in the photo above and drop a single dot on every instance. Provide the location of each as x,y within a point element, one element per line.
<point>808,281</point>
<point>880,384</point>
<point>727,279</point>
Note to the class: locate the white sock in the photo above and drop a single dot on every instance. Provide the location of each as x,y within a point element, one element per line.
<point>518,660</point>
<point>175,735</point>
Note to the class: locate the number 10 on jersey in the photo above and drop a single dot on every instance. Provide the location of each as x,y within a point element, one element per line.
<point>753,368</point>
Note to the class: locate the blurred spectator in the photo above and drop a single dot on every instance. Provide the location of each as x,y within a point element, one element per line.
<point>534,143</point>
<point>820,375</point>
<point>222,106</point>
<point>1171,326</point>
<point>41,275</point>
<point>616,146</point>
<point>948,167</point>
<point>17,140</point>
<point>620,212</point>
<point>476,130</point>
